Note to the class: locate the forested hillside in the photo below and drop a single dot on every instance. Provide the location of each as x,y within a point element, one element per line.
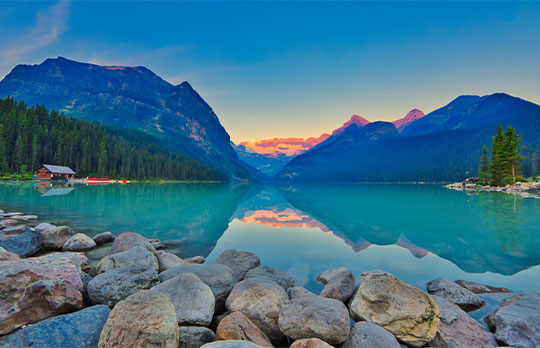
<point>32,136</point>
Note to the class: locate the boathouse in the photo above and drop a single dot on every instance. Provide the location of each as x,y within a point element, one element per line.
<point>51,172</point>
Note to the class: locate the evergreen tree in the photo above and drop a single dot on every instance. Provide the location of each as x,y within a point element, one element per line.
<point>102,160</point>
<point>34,152</point>
<point>484,173</point>
<point>512,150</point>
<point>3,159</point>
<point>497,172</point>
<point>18,154</point>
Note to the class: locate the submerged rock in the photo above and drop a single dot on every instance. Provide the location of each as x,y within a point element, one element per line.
<point>368,335</point>
<point>156,243</point>
<point>516,321</point>
<point>339,284</point>
<point>194,336</point>
<point>79,329</point>
<point>15,230</point>
<point>54,237</point>
<point>25,244</point>
<point>103,238</point>
<point>144,319</point>
<point>310,343</point>
<point>128,240</point>
<point>239,261</point>
<point>280,277</point>
<point>478,288</point>
<point>402,309</point>
<point>194,260</point>
<point>260,300</point>
<point>132,256</point>
<point>457,329</point>
<point>167,260</point>
<point>455,293</point>
<point>236,326</point>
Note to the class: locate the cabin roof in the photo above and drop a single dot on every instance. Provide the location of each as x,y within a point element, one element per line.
<point>58,169</point>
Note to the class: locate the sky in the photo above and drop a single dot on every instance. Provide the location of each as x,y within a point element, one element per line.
<point>294,69</point>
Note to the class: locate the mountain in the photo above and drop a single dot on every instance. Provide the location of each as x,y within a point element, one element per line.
<point>442,146</point>
<point>355,119</point>
<point>412,116</point>
<point>129,97</point>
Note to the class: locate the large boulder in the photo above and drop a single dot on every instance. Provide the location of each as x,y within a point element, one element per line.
<point>231,344</point>
<point>79,329</point>
<point>137,255</point>
<point>111,287</point>
<point>368,335</point>
<point>457,329</point>
<point>310,343</point>
<point>194,336</point>
<point>167,260</point>
<point>236,326</point>
<point>339,284</point>
<point>402,309</point>
<point>277,275</point>
<point>465,299</point>
<point>79,242</point>
<point>516,321</point>
<point>478,288</point>
<point>218,277</point>
<point>193,300</point>
<point>239,261</point>
<point>128,240</point>
<point>25,244</point>
<point>8,255</point>
<point>144,319</point>
<point>260,300</point>
<point>104,237</point>
<point>29,294</point>
<point>54,237</point>
<point>312,316</point>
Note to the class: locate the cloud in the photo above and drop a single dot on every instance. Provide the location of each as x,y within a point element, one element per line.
<point>50,24</point>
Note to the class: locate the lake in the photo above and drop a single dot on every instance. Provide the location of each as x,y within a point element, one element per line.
<point>416,232</point>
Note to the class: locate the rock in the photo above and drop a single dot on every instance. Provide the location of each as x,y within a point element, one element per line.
<point>194,260</point>
<point>144,319</point>
<point>111,287</point>
<point>516,321</point>
<point>8,255</point>
<point>54,237</point>
<point>260,300</point>
<point>402,309</point>
<point>312,316</point>
<point>79,242</point>
<point>481,288</point>
<point>310,343</point>
<point>15,230</point>
<point>194,336</point>
<point>193,300</point>
<point>280,277</point>
<point>236,326</point>
<point>156,243</point>
<point>11,214</point>
<point>137,255</point>
<point>29,294</point>
<point>79,329</point>
<point>85,278</point>
<point>457,329</point>
<point>367,335</point>
<point>25,217</point>
<point>239,261</point>
<point>218,277</point>
<point>231,344</point>
<point>103,238</point>
<point>128,240</point>
<point>7,222</point>
<point>339,284</point>
<point>297,291</point>
<point>44,226</point>
<point>217,319</point>
<point>456,294</point>
<point>167,260</point>
<point>25,244</point>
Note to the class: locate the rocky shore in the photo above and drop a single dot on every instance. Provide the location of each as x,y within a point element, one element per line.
<point>139,295</point>
<point>523,189</point>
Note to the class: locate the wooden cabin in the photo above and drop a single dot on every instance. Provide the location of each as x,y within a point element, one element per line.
<point>51,172</point>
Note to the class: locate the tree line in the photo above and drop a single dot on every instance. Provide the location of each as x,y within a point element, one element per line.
<point>32,136</point>
<point>503,165</point>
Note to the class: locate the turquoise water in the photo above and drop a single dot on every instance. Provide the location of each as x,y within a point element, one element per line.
<point>416,232</point>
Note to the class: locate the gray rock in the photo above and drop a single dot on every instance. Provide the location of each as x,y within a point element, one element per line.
<point>7,222</point>
<point>103,238</point>
<point>193,300</point>
<point>194,260</point>
<point>111,287</point>
<point>167,260</point>
<point>44,226</point>
<point>79,242</point>
<point>312,316</point>
<point>339,284</point>
<point>25,244</point>
<point>368,335</point>
<point>194,336</point>
<point>54,237</point>
<point>156,243</point>
<point>12,214</point>
<point>260,300</point>
<point>85,278</point>
<point>280,277</point>
<point>310,343</point>
<point>80,329</point>
<point>478,288</point>
<point>132,256</point>
<point>239,261</point>
<point>128,240</point>
<point>231,344</point>
<point>25,217</point>
<point>465,299</point>
<point>218,277</point>
<point>457,329</point>
<point>297,291</point>
<point>516,321</point>
<point>15,230</point>
<point>8,255</point>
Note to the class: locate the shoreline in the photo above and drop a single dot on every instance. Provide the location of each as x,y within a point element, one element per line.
<point>522,189</point>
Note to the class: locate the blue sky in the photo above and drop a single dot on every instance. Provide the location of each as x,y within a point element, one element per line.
<point>280,69</point>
